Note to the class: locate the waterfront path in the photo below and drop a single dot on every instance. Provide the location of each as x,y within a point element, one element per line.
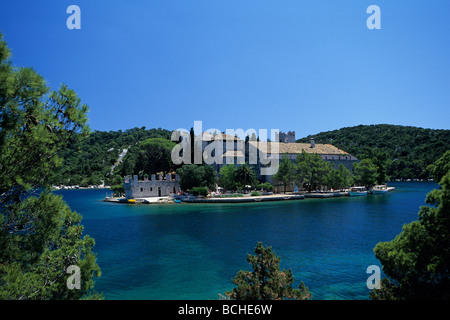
<point>277,197</point>
<point>246,198</point>
<point>274,197</point>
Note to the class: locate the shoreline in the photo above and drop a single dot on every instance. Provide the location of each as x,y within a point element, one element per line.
<point>244,199</point>
<point>81,188</point>
<point>176,199</point>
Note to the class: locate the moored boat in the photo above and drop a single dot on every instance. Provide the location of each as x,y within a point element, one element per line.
<point>379,189</point>
<point>357,191</point>
<point>125,200</point>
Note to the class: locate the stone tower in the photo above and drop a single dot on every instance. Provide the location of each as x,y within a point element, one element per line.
<point>287,137</point>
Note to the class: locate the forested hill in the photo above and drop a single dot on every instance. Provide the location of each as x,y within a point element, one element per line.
<point>89,161</point>
<point>411,149</point>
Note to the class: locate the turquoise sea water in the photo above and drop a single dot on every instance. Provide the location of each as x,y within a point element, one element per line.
<point>191,251</point>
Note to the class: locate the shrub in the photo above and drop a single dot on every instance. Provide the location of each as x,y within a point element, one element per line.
<point>233,195</point>
<point>199,191</point>
<point>266,186</point>
<point>255,193</point>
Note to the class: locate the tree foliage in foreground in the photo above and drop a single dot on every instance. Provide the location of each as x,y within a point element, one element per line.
<point>40,237</point>
<point>417,261</point>
<point>266,281</point>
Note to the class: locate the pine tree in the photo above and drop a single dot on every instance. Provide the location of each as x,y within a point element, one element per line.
<point>286,171</point>
<point>266,281</point>
<point>365,173</point>
<point>417,261</point>
<point>40,237</point>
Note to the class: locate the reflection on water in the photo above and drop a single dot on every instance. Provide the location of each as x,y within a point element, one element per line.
<point>191,251</point>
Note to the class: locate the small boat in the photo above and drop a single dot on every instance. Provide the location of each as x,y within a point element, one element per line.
<point>357,191</point>
<point>379,189</point>
<point>125,200</point>
<point>177,200</point>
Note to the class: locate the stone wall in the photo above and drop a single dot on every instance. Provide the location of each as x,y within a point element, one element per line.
<point>156,186</point>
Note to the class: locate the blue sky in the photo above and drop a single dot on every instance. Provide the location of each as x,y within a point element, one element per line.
<point>308,66</point>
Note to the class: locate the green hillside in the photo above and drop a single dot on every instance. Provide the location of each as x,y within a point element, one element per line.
<point>89,161</point>
<point>411,149</point>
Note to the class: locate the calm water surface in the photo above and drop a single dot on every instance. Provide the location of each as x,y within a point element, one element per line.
<point>191,251</point>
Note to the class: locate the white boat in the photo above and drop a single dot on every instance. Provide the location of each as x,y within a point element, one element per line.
<point>357,191</point>
<point>381,189</point>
